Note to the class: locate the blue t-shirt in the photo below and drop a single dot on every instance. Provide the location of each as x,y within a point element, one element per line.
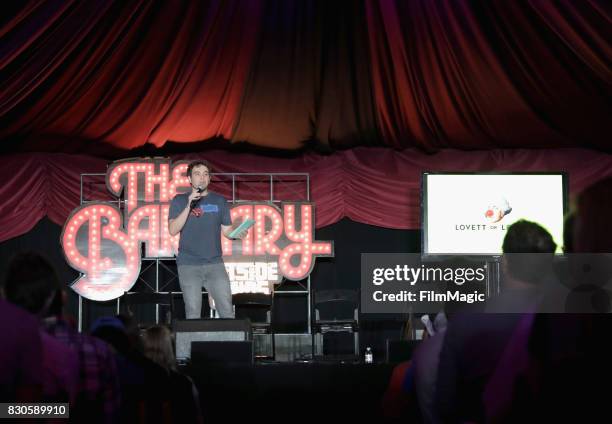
<point>200,240</point>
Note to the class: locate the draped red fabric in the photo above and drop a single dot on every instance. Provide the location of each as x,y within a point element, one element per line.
<point>310,79</point>
<point>102,77</point>
<point>489,74</point>
<point>125,73</point>
<point>375,186</point>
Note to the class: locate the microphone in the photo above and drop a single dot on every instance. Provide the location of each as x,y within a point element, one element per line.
<point>194,202</point>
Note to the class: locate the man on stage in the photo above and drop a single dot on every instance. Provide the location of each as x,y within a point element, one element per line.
<point>200,216</point>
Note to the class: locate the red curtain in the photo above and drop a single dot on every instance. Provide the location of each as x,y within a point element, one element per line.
<point>489,74</point>
<point>375,186</point>
<point>124,73</point>
<point>102,77</point>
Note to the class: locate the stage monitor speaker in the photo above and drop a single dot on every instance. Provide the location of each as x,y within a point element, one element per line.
<point>400,350</point>
<point>212,353</point>
<point>208,330</point>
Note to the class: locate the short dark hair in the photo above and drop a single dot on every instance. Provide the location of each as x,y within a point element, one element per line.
<point>199,162</point>
<point>528,237</point>
<point>31,282</point>
<point>527,245</point>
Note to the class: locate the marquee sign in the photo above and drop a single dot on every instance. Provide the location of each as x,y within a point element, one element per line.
<point>105,243</point>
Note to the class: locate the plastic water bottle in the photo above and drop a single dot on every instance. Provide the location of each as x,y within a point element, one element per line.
<point>369,357</point>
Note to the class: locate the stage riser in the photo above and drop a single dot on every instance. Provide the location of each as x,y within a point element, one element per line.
<point>289,347</point>
<point>208,330</point>
<point>184,340</point>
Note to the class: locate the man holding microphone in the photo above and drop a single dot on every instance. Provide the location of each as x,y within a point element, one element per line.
<point>200,216</point>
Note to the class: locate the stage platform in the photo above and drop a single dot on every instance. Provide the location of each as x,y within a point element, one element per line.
<point>317,392</point>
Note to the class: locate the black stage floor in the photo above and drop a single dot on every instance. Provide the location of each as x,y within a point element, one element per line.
<point>274,392</point>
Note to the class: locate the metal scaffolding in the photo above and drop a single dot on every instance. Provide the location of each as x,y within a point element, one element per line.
<point>296,188</point>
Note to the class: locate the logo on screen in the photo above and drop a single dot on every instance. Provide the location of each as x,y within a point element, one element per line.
<point>496,210</point>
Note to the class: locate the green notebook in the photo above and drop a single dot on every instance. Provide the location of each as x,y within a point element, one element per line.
<point>245,225</point>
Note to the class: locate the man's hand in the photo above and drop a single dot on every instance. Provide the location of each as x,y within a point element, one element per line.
<point>176,225</point>
<point>194,196</point>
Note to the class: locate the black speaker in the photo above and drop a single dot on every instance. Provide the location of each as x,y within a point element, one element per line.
<point>213,353</point>
<point>208,330</point>
<point>400,350</point>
